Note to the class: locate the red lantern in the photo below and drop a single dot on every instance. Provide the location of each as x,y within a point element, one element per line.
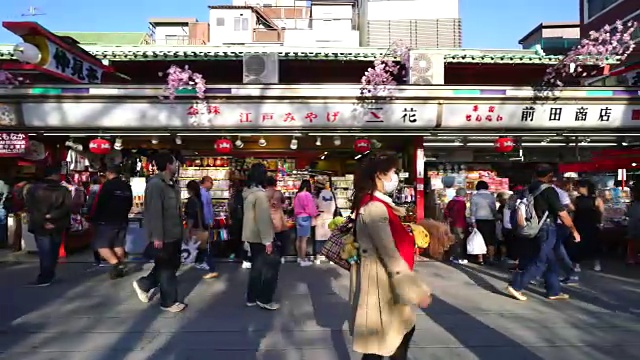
<point>100,146</point>
<point>362,146</point>
<point>224,146</point>
<point>504,145</point>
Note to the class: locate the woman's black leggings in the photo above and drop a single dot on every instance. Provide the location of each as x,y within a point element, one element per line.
<point>402,352</point>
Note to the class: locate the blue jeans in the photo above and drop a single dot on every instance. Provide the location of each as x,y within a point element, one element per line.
<point>544,263</point>
<point>207,256</point>
<point>563,234</point>
<point>48,251</point>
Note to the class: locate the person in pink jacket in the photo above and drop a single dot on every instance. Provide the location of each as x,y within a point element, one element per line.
<point>305,210</point>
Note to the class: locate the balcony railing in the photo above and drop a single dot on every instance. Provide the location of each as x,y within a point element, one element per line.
<point>178,42</point>
<point>268,35</point>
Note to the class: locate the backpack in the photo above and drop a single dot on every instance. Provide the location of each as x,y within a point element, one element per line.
<point>526,211</point>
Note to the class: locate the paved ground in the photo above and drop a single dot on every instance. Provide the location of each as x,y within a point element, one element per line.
<point>87,317</point>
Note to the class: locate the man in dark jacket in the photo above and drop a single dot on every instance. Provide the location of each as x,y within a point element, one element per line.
<point>48,204</point>
<point>111,219</point>
<point>163,225</point>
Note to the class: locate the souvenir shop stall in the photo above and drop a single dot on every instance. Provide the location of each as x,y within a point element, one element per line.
<point>614,172</point>
<point>330,169</point>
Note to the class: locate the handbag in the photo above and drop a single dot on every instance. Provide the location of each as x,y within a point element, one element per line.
<point>201,235</point>
<point>332,248</point>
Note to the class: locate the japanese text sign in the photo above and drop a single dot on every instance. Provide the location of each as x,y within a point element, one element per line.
<point>13,144</point>
<point>232,115</point>
<point>67,64</point>
<point>540,116</point>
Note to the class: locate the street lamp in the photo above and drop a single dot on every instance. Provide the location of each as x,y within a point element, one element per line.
<point>27,53</point>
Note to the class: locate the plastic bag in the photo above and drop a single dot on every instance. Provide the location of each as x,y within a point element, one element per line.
<point>189,251</point>
<point>475,244</point>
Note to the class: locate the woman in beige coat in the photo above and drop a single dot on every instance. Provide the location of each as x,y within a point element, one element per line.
<point>383,285</point>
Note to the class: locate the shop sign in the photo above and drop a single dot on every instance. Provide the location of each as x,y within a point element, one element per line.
<point>230,115</point>
<point>540,116</point>
<point>13,144</point>
<point>66,64</point>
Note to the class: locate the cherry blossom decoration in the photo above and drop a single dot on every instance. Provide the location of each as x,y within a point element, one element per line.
<point>612,42</point>
<point>8,79</point>
<point>183,78</point>
<point>379,79</point>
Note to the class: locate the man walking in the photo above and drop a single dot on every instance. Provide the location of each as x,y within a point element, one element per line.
<point>205,259</point>
<point>163,225</point>
<point>49,207</point>
<point>111,218</point>
<point>548,209</point>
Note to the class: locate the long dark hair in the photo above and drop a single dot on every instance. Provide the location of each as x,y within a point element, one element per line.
<point>364,182</point>
<point>193,188</point>
<point>589,185</point>
<point>257,175</point>
<point>305,185</point>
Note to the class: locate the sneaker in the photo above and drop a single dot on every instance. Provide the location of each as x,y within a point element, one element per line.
<point>211,275</point>
<point>39,283</point>
<point>576,268</point>
<point>560,296</point>
<point>597,266</point>
<point>570,280</point>
<point>305,263</point>
<point>175,308</point>
<point>459,261</point>
<point>269,306</point>
<point>246,265</point>
<point>516,294</point>
<point>202,266</point>
<point>251,303</point>
<point>145,297</point>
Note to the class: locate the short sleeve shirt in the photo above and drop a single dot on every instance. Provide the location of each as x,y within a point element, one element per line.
<point>547,201</point>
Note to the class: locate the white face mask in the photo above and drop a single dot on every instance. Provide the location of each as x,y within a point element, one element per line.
<point>390,186</point>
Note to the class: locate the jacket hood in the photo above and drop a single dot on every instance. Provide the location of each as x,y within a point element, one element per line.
<point>252,190</point>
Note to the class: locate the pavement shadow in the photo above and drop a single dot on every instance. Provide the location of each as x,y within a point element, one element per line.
<point>477,337</point>
<point>330,310</point>
<point>22,306</point>
<point>584,295</point>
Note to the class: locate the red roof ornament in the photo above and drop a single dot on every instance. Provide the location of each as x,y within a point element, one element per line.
<point>505,144</point>
<point>362,146</point>
<point>224,146</point>
<point>100,146</point>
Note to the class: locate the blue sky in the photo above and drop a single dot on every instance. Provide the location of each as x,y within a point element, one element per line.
<point>494,24</point>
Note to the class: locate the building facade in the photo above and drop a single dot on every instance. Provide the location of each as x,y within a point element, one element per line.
<point>385,21</point>
<point>178,31</point>
<point>554,38</point>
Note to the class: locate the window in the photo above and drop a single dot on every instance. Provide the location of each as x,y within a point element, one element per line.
<point>240,24</point>
<point>595,7</point>
<point>219,21</point>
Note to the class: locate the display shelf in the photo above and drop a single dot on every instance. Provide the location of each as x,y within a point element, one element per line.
<point>343,189</point>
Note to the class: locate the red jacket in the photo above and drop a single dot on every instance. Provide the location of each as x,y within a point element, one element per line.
<point>402,237</point>
<point>456,212</point>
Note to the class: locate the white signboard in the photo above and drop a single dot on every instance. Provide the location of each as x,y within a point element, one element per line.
<point>541,116</point>
<point>229,115</point>
<point>67,64</point>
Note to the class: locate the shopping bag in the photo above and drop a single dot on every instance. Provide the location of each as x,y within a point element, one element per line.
<point>332,248</point>
<point>189,251</point>
<point>475,244</point>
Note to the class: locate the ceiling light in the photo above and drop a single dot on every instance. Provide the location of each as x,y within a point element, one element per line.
<point>337,141</point>
<point>375,144</point>
<point>178,140</point>
<point>360,155</point>
<point>262,142</point>
<point>294,143</point>
<point>318,141</point>
<point>154,140</point>
<point>239,144</point>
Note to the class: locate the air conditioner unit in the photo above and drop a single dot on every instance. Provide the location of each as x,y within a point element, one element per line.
<point>426,68</point>
<point>260,68</point>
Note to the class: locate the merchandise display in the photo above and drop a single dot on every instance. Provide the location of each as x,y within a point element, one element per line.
<point>343,188</point>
